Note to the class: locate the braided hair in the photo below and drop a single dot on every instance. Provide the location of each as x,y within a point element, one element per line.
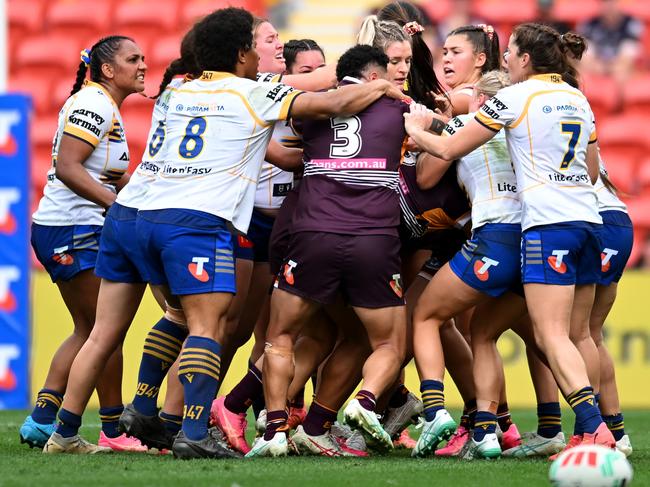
<point>103,51</point>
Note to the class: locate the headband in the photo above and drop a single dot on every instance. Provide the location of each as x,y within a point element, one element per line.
<point>412,28</point>
<point>85,56</point>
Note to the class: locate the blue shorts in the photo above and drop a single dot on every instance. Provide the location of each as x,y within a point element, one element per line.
<point>120,258</point>
<point>189,251</point>
<point>489,261</point>
<point>616,236</point>
<point>242,247</point>
<point>259,232</point>
<point>563,253</point>
<point>66,251</point>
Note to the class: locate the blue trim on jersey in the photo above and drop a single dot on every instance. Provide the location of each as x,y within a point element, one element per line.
<point>66,251</point>
<point>489,261</point>
<point>189,251</point>
<point>563,253</point>
<point>120,258</point>
<point>617,237</point>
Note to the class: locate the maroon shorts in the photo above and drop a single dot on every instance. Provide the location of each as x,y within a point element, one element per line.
<point>365,269</point>
<point>281,233</point>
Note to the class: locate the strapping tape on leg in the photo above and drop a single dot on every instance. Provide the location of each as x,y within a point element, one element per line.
<point>270,349</point>
<point>176,316</point>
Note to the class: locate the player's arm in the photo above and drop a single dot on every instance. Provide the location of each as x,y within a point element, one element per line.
<point>464,141</point>
<point>286,158</point>
<point>429,170</point>
<point>318,80</point>
<point>593,166</point>
<point>122,181</point>
<point>344,101</point>
<point>73,152</point>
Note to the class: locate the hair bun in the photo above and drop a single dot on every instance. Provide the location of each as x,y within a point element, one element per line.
<point>575,44</point>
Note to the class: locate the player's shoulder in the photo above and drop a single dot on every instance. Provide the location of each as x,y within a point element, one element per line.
<point>93,103</point>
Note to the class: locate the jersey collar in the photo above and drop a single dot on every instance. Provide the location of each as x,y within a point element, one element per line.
<point>548,77</point>
<point>215,75</point>
<point>92,84</point>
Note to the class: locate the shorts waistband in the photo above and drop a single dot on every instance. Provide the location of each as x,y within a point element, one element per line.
<point>119,212</point>
<point>615,217</point>
<point>185,218</point>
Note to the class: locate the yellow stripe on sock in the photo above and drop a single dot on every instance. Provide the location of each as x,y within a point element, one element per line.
<point>158,355</point>
<point>581,400</point>
<point>167,336</point>
<point>193,370</point>
<point>203,352</point>
<point>171,357</point>
<point>173,347</point>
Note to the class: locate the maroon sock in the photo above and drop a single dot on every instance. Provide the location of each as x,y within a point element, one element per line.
<point>242,395</point>
<point>399,397</point>
<point>275,420</point>
<point>319,419</point>
<point>503,417</point>
<point>366,399</point>
<point>298,401</point>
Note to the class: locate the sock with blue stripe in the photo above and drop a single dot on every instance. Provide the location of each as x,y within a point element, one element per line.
<point>549,419</point>
<point>69,423</point>
<point>616,425</point>
<point>161,348</point>
<point>198,371</point>
<point>485,423</point>
<point>110,418</point>
<point>47,405</point>
<point>583,404</point>
<point>171,421</point>
<point>433,397</point>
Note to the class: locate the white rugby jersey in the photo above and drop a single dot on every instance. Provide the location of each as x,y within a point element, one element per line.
<point>607,201</point>
<point>218,129</point>
<point>487,176</point>
<point>134,193</point>
<point>90,115</point>
<point>274,183</point>
<point>548,126</point>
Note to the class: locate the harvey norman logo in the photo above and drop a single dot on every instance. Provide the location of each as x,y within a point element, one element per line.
<point>8,144</point>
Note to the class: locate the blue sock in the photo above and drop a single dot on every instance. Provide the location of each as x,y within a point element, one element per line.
<point>597,398</point>
<point>583,404</point>
<point>198,371</point>
<point>69,423</point>
<point>616,425</point>
<point>433,397</point>
<point>171,421</point>
<point>549,419</point>
<point>161,348</point>
<point>110,418</point>
<point>47,405</point>
<point>485,423</point>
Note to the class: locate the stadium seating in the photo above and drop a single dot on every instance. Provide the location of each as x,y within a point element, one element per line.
<point>47,56</point>
<point>38,87</point>
<point>621,168</point>
<point>25,18</point>
<point>144,21</point>
<point>63,17</point>
<point>636,94</point>
<point>574,11</point>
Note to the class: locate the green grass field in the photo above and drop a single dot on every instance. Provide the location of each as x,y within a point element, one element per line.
<point>21,466</point>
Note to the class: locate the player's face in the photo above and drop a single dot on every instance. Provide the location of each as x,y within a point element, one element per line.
<point>129,68</point>
<point>307,61</point>
<point>399,62</point>
<point>460,64</point>
<point>269,47</point>
<point>514,62</point>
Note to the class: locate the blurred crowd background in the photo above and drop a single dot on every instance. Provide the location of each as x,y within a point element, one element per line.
<point>45,37</point>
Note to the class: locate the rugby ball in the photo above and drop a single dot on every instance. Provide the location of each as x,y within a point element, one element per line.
<point>590,466</point>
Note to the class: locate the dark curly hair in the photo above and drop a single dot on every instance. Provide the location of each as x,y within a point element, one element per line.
<point>219,38</point>
<point>357,59</point>
<point>103,51</point>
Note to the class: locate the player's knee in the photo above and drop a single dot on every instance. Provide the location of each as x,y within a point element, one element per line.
<point>279,348</point>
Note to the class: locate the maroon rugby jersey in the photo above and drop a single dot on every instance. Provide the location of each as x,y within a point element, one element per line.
<point>350,182</point>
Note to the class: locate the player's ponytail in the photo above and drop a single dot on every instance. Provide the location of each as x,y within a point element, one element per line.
<point>368,31</point>
<point>81,77</point>
<point>574,46</point>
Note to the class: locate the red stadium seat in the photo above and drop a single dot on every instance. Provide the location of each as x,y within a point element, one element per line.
<point>500,12</point>
<point>575,11</point>
<point>600,91</point>
<point>25,15</point>
<point>41,163</point>
<point>626,134</point>
<point>621,169</point>
<point>136,127</point>
<point>436,10</point>
<point>48,56</point>
<point>164,50</point>
<point>639,210</point>
<point>195,10</point>
<point>643,177</point>
<point>636,94</point>
<point>38,88</point>
<point>144,21</point>
<point>640,237</point>
<point>67,17</point>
